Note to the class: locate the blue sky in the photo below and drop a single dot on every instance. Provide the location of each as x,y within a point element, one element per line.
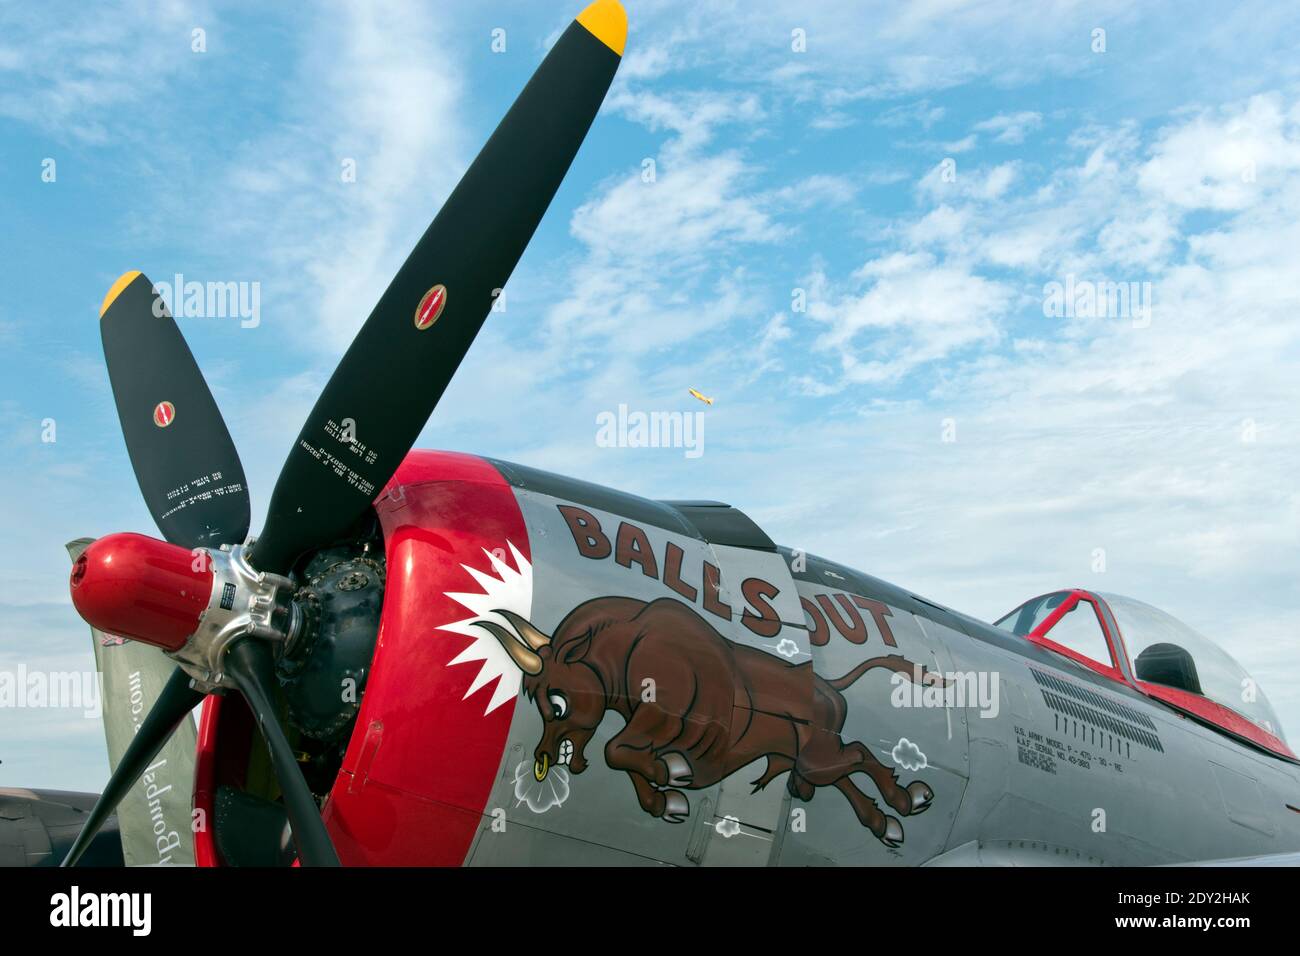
<point>1168,446</point>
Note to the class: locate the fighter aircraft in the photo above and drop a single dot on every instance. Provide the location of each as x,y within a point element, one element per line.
<point>434,658</point>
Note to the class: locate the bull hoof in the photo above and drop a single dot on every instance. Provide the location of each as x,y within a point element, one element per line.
<point>921,796</point>
<point>676,807</point>
<point>893,835</point>
<point>679,771</point>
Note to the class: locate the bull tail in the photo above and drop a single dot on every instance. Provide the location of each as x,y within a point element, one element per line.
<point>894,662</point>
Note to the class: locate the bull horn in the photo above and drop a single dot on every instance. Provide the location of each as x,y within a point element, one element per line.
<point>526,660</point>
<point>534,638</point>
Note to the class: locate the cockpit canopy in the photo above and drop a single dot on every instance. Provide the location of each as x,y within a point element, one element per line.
<point>1156,652</point>
<point>1166,651</point>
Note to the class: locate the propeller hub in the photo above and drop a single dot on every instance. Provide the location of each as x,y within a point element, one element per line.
<point>139,587</point>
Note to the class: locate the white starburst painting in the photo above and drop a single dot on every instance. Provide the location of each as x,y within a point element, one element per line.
<point>502,589</point>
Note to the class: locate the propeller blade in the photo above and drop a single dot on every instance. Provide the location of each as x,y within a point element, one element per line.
<point>387,384</point>
<point>184,460</point>
<point>176,700</point>
<point>248,664</point>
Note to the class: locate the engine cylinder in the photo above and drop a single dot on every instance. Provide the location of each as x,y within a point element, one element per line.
<point>139,587</point>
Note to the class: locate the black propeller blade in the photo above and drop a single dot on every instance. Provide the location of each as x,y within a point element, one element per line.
<point>184,460</point>
<point>176,700</point>
<point>386,386</point>
<point>249,664</point>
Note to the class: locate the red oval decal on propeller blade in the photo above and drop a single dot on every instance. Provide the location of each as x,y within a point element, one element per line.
<point>164,414</point>
<point>431,306</point>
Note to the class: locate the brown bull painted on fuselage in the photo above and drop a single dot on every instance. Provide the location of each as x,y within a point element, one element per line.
<point>716,707</point>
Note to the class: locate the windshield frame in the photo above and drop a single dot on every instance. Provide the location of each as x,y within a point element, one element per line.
<point>1040,634</point>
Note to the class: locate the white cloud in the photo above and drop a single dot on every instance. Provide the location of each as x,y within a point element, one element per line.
<point>914,310</point>
<point>695,202</point>
<point>645,63</point>
<point>831,120</point>
<point>818,189</point>
<point>1010,128</point>
<point>949,179</point>
<point>875,50</point>
<point>80,76</point>
<point>656,249</point>
<point>692,116</point>
<point>942,225</point>
<point>1219,159</point>
<point>921,112</point>
<point>963,145</point>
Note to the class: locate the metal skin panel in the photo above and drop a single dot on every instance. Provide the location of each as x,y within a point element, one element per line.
<point>1088,772</point>
<point>1260,795</point>
<point>599,807</point>
<point>1064,752</point>
<point>749,825</point>
<point>912,747</point>
<point>425,753</point>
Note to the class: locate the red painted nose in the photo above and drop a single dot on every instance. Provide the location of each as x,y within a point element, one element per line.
<point>139,587</point>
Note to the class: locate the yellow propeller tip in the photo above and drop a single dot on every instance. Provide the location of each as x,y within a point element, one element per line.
<point>124,280</point>
<point>607,22</point>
